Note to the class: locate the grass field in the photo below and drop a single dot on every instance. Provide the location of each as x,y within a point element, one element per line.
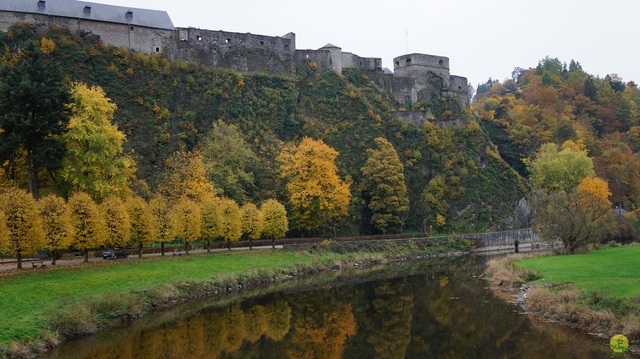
<point>27,298</point>
<point>614,271</point>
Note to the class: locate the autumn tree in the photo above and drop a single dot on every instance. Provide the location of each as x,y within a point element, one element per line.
<point>187,221</point>
<point>211,222</point>
<point>560,169</point>
<point>316,193</point>
<point>55,223</point>
<point>231,161</point>
<point>161,213</point>
<point>117,222</point>
<point>383,187</point>
<point>87,223</point>
<point>274,220</point>
<point>95,161</point>
<point>33,112</point>
<point>143,226</point>
<point>230,221</point>
<point>186,176</point>
<point>576,218</point>
<point>251,222</point>
<point>24,228</point>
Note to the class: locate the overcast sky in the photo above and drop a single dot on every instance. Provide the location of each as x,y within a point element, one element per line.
<point>481,38</point>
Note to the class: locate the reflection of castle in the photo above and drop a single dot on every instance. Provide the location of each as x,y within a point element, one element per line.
<point>152,31</point>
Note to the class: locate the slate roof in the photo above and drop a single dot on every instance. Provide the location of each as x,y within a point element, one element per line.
<point>99,12</point>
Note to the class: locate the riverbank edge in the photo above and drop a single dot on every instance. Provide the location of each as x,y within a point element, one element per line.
<point>560,302</point>
<point>98,312</point>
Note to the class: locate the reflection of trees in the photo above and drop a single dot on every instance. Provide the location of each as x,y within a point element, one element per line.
<point>256,323</point>
<point>388,319</point>
<point>278,318</point>
<point>321,327</point>
<point>234,322</point>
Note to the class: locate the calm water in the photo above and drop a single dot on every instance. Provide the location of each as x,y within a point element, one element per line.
<point>432,310</point>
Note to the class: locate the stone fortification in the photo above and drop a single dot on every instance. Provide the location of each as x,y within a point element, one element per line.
<point>415,76</point>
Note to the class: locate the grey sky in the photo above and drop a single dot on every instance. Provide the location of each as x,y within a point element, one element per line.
<point>482,39</point>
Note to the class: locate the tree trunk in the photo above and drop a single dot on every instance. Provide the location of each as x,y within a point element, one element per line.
<point>19,258</point>
<point>53,257</point>
<point>273,243</point>
<point>33,175</point>
<point>229,244</point>
<point>250,244</point>
<point>186,247</point>
<point>209,246</point>
<point>162,248</point>
<point>140,250</point>
<point>86,256</point>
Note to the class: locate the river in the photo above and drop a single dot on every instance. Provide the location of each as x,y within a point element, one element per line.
<point>432,309</point>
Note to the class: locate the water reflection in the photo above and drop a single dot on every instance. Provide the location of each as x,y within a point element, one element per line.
<point>432,312</point>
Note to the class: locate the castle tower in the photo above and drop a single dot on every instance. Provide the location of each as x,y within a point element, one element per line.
<point>335,59</point>
<point>418,66</point>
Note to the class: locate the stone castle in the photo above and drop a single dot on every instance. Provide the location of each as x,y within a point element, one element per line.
<point>152,31</point>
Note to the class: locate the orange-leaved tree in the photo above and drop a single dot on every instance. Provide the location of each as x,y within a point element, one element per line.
<point>274,220</point>
<point>117,222</point>
<point>251,222</point>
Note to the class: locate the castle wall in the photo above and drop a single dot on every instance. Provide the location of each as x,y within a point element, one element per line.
<point>367,63</point>
<point>138,38</point>
<point>459,87</point>
<point>321,57</point>
<point>243,52</point>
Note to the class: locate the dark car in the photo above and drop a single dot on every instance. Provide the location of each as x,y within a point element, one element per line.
<point>115,253</point>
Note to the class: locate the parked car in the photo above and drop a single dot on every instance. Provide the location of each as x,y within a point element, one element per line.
<point>115,253</point>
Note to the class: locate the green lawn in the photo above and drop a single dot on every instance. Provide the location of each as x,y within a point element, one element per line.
<point>614,271</point>
<point>26,298</point>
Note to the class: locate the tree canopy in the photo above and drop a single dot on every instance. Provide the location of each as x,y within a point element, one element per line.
<point>33,112</point>
<point>384,188</point>
<point>316,193</point>
<point>23,224</point>
<point>95,161</point>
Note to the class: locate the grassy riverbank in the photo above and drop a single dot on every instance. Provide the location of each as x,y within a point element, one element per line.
<point>42,307</point>
<point>598,291</point>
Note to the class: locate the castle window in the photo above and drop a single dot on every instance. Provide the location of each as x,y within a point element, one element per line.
<point>129,15</point>
<point>41,4</point>
<point>360,63</point>
<point>440,62</point>
<point>261,43</point>
<point>228,40</point>
<point>397,63</point>
<point>459,87</point>
<point>87,10</point>
<point>286,46</point>
<point>131,28</point>
<point>408,61</point>
<point>157,49</point>
<point>199,38</point>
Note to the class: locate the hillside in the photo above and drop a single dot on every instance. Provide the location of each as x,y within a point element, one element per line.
<point>163,106</point>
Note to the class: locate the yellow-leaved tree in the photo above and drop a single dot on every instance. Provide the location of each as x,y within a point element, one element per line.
<point>384,189</point>
<point>274,220</point>
<point>23,224</point>
<point>87,223</point>
<point>143,226</point>
<point>117,222</point>
<point>55,223</point>
<point>95,162</point>
<point>186,176</point>
<point>211,222</point>
<point>161,215</point>
<point>251,222</point>
<point>576,218</point>
<point>187,221</point>
<point>230,220</point>
<point>317,195</point>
